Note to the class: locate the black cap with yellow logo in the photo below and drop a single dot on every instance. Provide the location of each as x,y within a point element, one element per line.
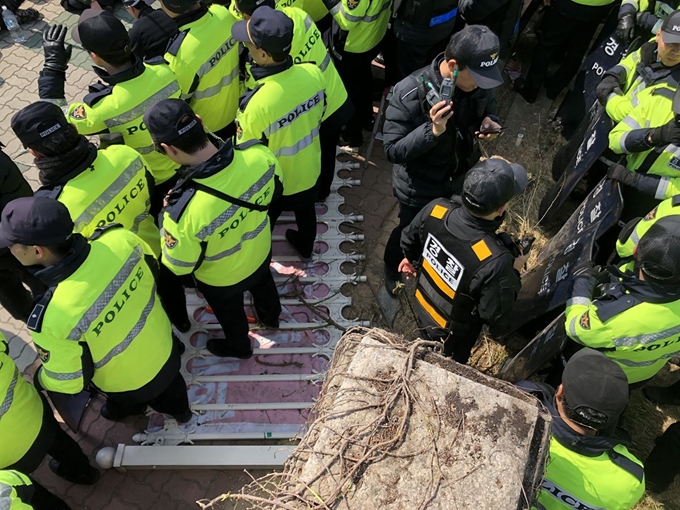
<point>476,48</point>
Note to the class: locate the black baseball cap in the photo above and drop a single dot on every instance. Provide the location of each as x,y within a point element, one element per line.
<point>658,252</point>
<point>101,32</point>
<point>268,29</point>
<point>595,390</point>
<point>169,119</point>
<point>178,6</point>
<point>492,183</point>
<point>37,121</point>
<point>35,221</point>
<point>670,29</point>
<point>477,48</point>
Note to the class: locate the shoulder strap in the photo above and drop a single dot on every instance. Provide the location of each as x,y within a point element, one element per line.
<point>609,309</point>
<point>250,143</point>
<point>664,92</point>
<point>421,94</point>
<point>175,43</point>
<point>55,192</point>
<point>35,319</point>
<point>229,198</point>
<point>675,200</point>
<point>153,61</point>
<point>247,96</point>
<point>98,232</point>
<point>97,94</point>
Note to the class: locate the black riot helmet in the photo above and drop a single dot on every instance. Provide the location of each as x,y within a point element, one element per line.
<point>658,252</point>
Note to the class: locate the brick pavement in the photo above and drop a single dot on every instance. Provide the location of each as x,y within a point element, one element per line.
<point>20,65</point>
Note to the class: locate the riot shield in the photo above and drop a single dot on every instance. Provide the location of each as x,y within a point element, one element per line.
<point>71,407</point>
<point>606,53</point>
<point>540,351</point>
<point>595,142</point>
<point>547,285</point>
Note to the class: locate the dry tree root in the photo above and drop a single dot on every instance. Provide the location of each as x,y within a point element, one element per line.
<point>356,448</point>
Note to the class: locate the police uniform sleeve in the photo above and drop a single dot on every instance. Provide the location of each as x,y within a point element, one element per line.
<point>51,86</point>
<point>411,241</point>
<point>251,122</point>
<point>66,364</point>
<point>629,135</point>
<point>498,287</point>
<point>628,7</point>
<point>582,323</point>
<point>347,13</point>
<point>181,249</point>
<point>407,135</point>
<point>86,119</point>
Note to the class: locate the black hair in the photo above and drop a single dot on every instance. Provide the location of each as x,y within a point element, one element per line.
<point>62,249</point>
<point>59,142</point>
<point>449,54</point>
<point>118,59</point>
<point>279,57</point>
<point>192,141</point>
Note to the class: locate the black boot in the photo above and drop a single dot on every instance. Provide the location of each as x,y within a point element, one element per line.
<point>663,463</point>
<point>89,477</point>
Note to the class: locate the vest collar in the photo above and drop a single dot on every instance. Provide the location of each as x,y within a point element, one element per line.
<point>463,218</point>
<point>54,275</point>
<point>112,79</point>
<point>628,283</point>
<point>260,72</point>
<point>218,162</point>
<point>184,19</point>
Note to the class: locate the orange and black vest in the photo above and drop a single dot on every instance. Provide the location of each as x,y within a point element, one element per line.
<point>443,298</point>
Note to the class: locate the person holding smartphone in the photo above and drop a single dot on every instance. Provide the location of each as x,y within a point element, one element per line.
<point>432,126</point>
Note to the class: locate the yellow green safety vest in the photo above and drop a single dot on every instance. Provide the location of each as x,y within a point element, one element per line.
<point>120,109</point>
<point>21,410</point>
<point>110,308</point>
<point>114,189</point>
<point>9,481</point>
<point>661,9</point>
<point>315,8</point>
<point>365,22</point>
<point>655,109</point>
<point>286,110</point>
<point>593,3</point>
<point>219,242</point>
<point>280,4</point>
<point>621,328</point>
<point>610,481</point>
<point>204,57</point>
<point>308,47</point>
<point>668,207</point>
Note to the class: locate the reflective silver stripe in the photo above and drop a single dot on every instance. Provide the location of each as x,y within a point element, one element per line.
<point>631,123</point>
<point>174,261</point>
<point>630,341</point>
<point>140,218</point>
<point>634,237</point>
<point>215,89</point>
<point>68,376</point>
<point>245,237</point>
<point>579,301</point>
<point>300,145</point>
<point>227,45</point>
<point>365,19</point>
<point>335,9</point>
<point>308,22</point>
<point>146,150</point>
<point>140,109</point>
<point>649,363</point>
<point>105,297</point>
<point>622,142</point>
<point>634,99</point>
<point>300,109</point>
<point>107,195</point>
<point>118,349</point>
<point>5,494</point>
<point>662,188</point>
<point>324,63</point>
<point>572,330</point>
<point>226,215</point>
<point>9,396</point>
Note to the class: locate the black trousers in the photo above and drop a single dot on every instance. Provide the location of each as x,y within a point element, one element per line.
<point>329,134</point>
<point>172,294</point>
<point>227,305</point>
<point>355,71</point>
<point>459,341</point>
<point>663,463</point>
<point>13,295</point>
<point>558,32</point>
<point>302,205</point>
<point>172,400</point>
<point>159,192</point>
<point>39,497</point>
<point>502,22</point>
<point>52,440</point>
<point>393,252</point>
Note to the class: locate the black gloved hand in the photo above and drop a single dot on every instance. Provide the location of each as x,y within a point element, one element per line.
<point>623,175</point>
<point>625,30</point>
<point>606,87</point>
<point>663,135</point>
<point>57,54</point>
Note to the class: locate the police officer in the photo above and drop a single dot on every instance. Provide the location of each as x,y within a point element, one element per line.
<point>590,466</point>
<point>307,46</point>
<point>21,492</point>
<point>468,276</point>
<point>618,322</point>
<point>285,108</point>
<point>631,234</point>
<point>150,34</point>
<point>204,57</point>
<point>567,24</point>
<point>358,28</point>
<point>432,146</point>
<point>30,431</point>
<point>215,224</point>
<point>101,322</point>
<point>655,63</point>
<point>643,14</point>
<point>115,108</point>
<point>98,187</point>
<point>14,297</point>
